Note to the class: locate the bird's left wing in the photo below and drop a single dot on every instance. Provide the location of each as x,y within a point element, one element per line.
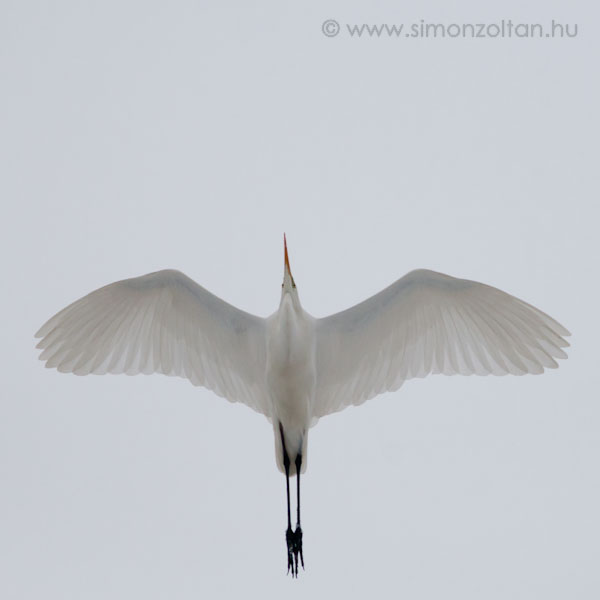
<point>163,322</point>
<point>424,323</point>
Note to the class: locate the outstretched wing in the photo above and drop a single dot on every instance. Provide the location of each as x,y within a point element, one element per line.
<point>425,323</point>
<point>162,322</point>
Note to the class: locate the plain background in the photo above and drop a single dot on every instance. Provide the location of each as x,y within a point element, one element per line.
<point>141,135</point>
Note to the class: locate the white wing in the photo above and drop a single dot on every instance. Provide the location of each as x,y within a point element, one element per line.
<point>162,322</point>
<point>425,323</point>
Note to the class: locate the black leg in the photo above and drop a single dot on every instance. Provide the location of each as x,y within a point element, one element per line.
<point>289,535</point>
<point>298,468</point>
<point>298,532</point>
<point>286,465</point>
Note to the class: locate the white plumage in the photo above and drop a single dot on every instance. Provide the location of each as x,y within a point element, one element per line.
<point>424,323</point>
<point>161,323</point>
<point>292,367</point>
<point>428,322</point>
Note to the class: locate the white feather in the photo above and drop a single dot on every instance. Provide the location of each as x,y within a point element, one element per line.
<point>292,367</point>
<point>161,323</point>
<point>425,323</point>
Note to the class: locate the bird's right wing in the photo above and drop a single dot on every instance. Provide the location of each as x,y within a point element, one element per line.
<point>163,322</point>
<point>424,323</point>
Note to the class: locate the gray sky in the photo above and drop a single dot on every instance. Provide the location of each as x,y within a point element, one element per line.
<point>140,135</point>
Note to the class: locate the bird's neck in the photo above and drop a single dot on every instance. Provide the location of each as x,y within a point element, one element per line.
<point>290,312</point>
<point>290,302</point>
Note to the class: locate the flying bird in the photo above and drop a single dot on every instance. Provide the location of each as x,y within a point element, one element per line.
<point>292,367</point>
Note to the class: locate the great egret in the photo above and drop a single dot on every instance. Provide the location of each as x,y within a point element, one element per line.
<point>292,367</point>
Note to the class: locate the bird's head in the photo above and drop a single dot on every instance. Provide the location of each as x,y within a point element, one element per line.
<point>288,286</point>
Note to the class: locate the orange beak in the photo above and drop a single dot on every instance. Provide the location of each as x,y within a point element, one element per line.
<point>287,270</point>
<point>286,258</point>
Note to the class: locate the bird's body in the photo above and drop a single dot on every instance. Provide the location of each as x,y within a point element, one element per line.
<point>291,378</point>
<point>292,367</point>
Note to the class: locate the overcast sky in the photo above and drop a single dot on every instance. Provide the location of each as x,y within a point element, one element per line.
<point>137,136</point>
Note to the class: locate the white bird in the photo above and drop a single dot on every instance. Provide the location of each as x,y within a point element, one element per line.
<point>292,367</point>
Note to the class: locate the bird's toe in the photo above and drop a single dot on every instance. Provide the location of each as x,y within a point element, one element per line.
<point>298,548</point>
<point>289,538</point>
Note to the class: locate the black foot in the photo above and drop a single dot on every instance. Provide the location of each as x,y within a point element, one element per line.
<point>294,548</point>
<point>289,538</point>
<point>298,548</point>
